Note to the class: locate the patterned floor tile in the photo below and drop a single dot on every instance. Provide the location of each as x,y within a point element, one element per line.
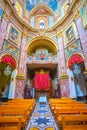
<point>42,118</point>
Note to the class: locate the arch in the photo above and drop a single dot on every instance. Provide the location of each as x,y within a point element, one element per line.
<point>42,41</point>
<point>42,6</point>
<point>75,58</point>
<point>7,58</point>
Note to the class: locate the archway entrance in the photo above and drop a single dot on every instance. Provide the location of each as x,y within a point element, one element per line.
<point>42,55</point>
<point>42,80</point>
<point>77,67</point>
<point>7,65</point>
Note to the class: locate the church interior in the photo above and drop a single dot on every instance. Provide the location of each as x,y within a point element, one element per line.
<point>43,64</point>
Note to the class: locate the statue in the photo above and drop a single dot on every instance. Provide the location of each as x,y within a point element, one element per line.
<point>79,80</point>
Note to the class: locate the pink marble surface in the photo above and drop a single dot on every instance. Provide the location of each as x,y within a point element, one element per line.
<point>65,91</point>
<point>19,90</point>
<point>2,31</point>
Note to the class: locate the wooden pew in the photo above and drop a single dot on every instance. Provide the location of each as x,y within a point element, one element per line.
<point>10,128</point>
<point>74,122</point>
<point>12,121</point>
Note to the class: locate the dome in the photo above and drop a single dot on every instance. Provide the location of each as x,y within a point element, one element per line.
<point>48,11</point>
<point>30,4</point>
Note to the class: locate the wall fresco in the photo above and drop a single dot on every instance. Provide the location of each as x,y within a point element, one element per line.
<point>70,34</point>
<point>13,36</point>
<point>10,49</point>
<point>74,48</point>
<point>30,4</point>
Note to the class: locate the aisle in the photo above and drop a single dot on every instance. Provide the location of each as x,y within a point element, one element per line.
<point>42,118</point>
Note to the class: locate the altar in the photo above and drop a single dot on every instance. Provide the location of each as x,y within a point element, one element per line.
<point>43,99</point>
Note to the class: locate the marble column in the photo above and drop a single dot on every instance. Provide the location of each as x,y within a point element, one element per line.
<point>83,37</point>
<point>3,28</point>
<point>12,85</point>
<point>20,79</point>
<point>64,83</point>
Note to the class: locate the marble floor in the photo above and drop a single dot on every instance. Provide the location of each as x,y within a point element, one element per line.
<point>42,118</point>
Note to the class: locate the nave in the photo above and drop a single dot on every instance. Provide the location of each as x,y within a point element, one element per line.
<point>56,114</point>
<point>42,118</point>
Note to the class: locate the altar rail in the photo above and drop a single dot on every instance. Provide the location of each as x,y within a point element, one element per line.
<point>47,59</point>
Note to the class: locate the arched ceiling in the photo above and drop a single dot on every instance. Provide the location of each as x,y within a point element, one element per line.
<point>30,4</point>
<point>41,43</point>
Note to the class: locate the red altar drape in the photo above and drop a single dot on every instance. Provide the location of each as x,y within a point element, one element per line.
<point>42,82</point>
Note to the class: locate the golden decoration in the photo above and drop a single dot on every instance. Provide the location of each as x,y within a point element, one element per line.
<point>42,32</point>
<point>42,71</point>
<point>6,16</point>
<point>24,34</point>
<point>64,76</point>
<point>76,14</point>
<point>20,76</point>
<point>59,33</point>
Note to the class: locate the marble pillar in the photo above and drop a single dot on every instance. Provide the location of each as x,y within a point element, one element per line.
<point>3,28</point>
<point>20,79</point>
<point>83,37</point>
<point>64,83</point>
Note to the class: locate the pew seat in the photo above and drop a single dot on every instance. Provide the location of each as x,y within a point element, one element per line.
<point>74,122</point>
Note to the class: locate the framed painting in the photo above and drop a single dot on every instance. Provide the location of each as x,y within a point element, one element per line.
<point>13,36</point>
<point>70,34</point>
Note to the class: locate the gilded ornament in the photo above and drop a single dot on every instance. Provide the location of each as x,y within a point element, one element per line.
<point>76,14</point>
<point>59,33</point>
<point>64,76</point>
<point>6,16</point>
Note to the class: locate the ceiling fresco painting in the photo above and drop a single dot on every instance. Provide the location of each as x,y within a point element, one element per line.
<point>30,4</point>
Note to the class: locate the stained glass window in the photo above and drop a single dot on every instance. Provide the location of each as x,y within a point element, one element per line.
<point>42,24</point>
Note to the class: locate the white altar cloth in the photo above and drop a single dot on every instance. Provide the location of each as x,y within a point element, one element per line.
<point>42,99</point>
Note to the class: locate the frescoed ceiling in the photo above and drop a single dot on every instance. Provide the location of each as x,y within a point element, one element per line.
<point>30,4</point>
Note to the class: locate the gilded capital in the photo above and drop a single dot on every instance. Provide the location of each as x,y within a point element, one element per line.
<point>59,33</point>
<point>6,16</point>
<point>64,76</point>
<point>20,76</point>
<point>24,35</point>
<point>85,72</point>
<point>76,14</point>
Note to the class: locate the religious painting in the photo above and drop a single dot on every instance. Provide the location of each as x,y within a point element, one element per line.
<point>70,34</point>
<point>65,7</point>
<point>9,48</point>
<point>83,12</point>
<point>1,13</point>
<point>18,9</point>
<point>13,35</point>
